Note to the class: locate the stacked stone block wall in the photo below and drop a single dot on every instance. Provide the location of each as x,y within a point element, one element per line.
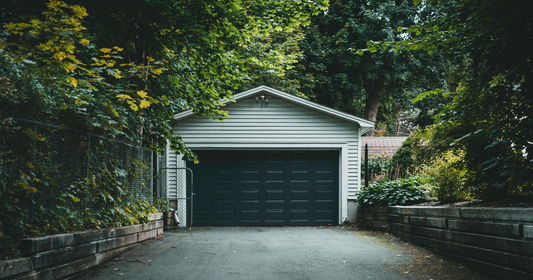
<point>168,219</point>
<point>58,256</point>
<point>373,217</point>
<point>498,241</point>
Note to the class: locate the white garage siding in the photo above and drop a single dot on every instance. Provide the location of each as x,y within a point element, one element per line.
<point>285,122</point>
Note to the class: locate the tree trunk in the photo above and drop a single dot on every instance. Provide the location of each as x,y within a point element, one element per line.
<point>374,92</point>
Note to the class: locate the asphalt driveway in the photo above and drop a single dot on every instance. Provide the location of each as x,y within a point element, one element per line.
<point>279,253</point>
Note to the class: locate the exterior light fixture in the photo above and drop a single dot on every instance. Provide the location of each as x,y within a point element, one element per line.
<point>261,98</point>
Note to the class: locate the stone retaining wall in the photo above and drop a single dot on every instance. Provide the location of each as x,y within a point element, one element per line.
<point>60,255</point>
<point>373,218</point>
<point>168,219</point>
<point>498,241</point>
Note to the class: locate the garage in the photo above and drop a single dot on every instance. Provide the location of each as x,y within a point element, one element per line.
<point>266,188</point>
<point>278,159</point>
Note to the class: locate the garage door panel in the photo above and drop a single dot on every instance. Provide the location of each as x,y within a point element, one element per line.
<point>265,188</point>
<point>324,215</point>
<point>250,176</point>
<point>225,196</point>
<point>202,176</point>
<point>275,176</point>
<point>250,196</point>
<point>299,196</point>
<point>201,216</point>
<point>251,216</point>
<point>201,196</point>
<point>225,176</point>
<point>299,215</point>
<point>225,216</point>
<point>325,176</point>
<point>326,196</point>
<point>275,215</point>
<point>299,176</point>
<point>275,196</point>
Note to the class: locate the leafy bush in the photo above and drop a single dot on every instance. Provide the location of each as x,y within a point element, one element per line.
<point>383,166</point>
<point>420,148</point>
<point>448,174</point>
<point>398,192</point>
<point>57,180</point>
<point>163,205</point>
<point>377,164</point>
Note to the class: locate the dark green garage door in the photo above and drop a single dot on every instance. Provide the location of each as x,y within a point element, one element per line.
<point>266,188</point>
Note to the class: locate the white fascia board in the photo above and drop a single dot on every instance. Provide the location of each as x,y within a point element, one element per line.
<point>365,130</point>
<point>365,125</point>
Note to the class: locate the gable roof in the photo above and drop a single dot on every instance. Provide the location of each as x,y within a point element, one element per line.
<point>365,125</point>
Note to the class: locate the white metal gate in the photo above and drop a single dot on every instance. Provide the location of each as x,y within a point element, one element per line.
<point>176,186</point>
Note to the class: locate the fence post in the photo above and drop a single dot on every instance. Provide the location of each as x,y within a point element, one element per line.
<point>366,165</point>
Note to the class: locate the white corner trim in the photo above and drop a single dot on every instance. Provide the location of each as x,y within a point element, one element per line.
<point>343,192</point>
<point>359,147</point>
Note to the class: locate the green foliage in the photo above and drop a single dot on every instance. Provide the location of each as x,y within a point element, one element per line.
<point>398,192</point>
<point>124,68</point>
<point>378,165</point>
<point>384,166</point>
<point>53,180</point>
<point>211,47</point>
<point>332,75</point>
<point>72,82</point>
<point>163,205</point>
<point>448,176</point>
<point>421,147</point>
<point>490,116</point>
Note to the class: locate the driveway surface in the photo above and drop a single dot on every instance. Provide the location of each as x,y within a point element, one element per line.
<point>279,253</point>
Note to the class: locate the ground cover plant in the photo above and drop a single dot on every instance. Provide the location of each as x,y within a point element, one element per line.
<point>405,191</point>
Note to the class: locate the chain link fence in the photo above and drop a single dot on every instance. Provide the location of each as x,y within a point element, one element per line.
<point>175,185</point>
<point>48,169</point>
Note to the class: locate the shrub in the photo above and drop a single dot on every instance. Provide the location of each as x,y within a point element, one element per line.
<point>56,180</point>
<point>382,166</point>
<point>163,205</point>
<point>377,165</point>
<point>398,192</point>
<point>448,174</point>
<point>419,148</point>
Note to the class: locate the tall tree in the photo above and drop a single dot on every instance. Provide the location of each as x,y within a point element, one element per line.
<point>375,85</point>
<point>205,51</point>
<point>491,116</point>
